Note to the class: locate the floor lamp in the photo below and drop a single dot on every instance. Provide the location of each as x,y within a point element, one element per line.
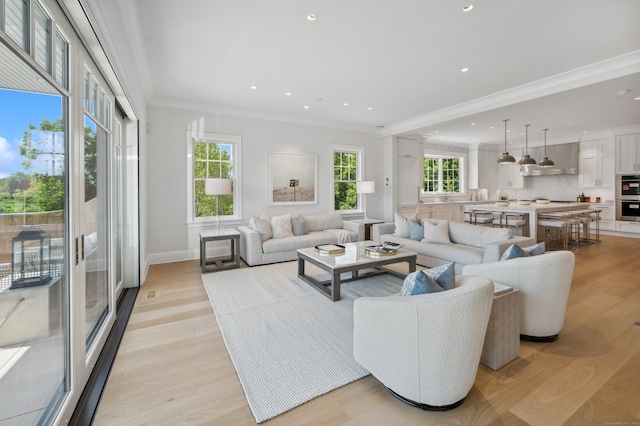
<point>365,187</point>
<point>217,187</point>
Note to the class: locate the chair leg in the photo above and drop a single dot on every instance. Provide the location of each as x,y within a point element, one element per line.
<point>426,407</point>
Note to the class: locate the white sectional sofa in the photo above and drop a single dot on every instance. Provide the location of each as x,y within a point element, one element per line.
<point>467,245</point>
<point>258,248</point>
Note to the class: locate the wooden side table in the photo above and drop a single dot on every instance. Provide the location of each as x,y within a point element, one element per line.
<point>233,261</point>
<point>368,223</point>
<point>502,341</point>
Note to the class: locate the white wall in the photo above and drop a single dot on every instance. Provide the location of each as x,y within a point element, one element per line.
<point>169,236</point>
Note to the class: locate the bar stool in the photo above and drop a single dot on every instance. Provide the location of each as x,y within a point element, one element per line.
<point>514,220</point>
<point>483,218</point>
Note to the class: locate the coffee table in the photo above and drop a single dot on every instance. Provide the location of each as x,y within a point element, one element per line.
<point>354,260</point>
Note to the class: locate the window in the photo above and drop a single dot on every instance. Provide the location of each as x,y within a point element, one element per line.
<point>347,170</point>
<point>214,156</point>
<point>443,173</point>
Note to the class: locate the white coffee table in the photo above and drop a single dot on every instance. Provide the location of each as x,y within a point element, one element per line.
<point>353,260</point>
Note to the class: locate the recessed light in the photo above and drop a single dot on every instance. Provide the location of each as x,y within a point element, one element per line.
<point>490,127</point>
<point>346,104</point>
<point>467,8</point>
<point>311,17</point>
<point>288,93</point>
<point>437,131</point>
<point>370,109</point>
<point>464,70</point>
<point>473,124</point>
<point>254,87</point>
<point>306,107</point>
<point>584,133</point>
<point>637,99</point>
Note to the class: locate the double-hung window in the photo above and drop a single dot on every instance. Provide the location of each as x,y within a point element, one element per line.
<point>443,174</point>
<point>347,170</point>
<point>214,156</point>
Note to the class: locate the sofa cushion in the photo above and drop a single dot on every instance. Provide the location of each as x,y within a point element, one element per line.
<point>416,231</point>
<point>299,226</point>
<point>474,235</point>
<point>436,233</point>
<point>320,222</point>
<point>281,226</point>
<point>444,275</point>
<point>261,225</point>
<point>402,225</point>
<point>312,239</point>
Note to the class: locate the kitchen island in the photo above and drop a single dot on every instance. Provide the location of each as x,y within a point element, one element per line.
<point>533,210</point>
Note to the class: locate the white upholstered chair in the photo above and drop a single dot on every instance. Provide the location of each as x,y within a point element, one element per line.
<point>543,281</point>
<point>425,349</point>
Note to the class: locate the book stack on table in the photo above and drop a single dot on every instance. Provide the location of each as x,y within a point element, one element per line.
<point>384,249</point>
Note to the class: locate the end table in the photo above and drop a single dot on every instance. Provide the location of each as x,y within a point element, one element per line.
<point>368,223</point>
<point>233,261</point>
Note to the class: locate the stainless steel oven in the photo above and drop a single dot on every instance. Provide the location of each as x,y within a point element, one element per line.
<point>628,197</point>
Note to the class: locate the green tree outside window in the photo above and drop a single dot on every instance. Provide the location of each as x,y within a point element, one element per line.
<point>212,160</point>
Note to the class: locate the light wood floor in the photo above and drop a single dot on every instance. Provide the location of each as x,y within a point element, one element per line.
<point>173,368</point>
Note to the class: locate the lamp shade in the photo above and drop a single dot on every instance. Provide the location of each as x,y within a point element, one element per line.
<point>366,187</point>
<point>217,186</point>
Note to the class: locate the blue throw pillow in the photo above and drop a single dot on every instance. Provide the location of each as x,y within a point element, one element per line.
<point>432,280</point>
<point>298,226</point>
<point>416,231</point>
<point>514,251</point>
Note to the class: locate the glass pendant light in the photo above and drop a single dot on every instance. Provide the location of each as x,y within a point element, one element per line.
<point>545,162</point>
<point>505,158</point>
<point>526,160</point>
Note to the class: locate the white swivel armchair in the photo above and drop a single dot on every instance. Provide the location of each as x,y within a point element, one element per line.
<point>543,282</point>
<point>425,349</point>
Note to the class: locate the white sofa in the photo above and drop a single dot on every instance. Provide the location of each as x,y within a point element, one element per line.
<point>470,244</point>
<point>425,349</point>
<point>327,228</point>
<point>543,281</point>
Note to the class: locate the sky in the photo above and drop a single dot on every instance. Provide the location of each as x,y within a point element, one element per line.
<point>17,111</point>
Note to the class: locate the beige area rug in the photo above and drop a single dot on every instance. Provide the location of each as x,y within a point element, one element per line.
<point>288,343</point>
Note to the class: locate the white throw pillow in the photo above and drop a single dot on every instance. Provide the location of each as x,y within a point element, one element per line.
<point>281,226</point>
<point>262,225</point>
<point>437,234</point>
<point>402,225</point>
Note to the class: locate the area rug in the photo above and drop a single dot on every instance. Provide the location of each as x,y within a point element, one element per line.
<point>288,343</point>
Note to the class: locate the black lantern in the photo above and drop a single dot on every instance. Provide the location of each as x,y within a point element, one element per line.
<point>30,258</point>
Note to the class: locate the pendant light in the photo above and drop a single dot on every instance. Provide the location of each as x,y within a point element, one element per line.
<point>526,160</point>
<point>545,162</point>
<point>505,158</point>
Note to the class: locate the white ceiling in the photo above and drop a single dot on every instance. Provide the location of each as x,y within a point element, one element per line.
<point>552,64</point>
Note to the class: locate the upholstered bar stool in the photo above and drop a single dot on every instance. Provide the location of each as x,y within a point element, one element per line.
<point>514,220</point>
<point>483,218</point>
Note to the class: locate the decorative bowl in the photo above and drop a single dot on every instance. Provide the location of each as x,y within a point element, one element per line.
<point>502,203</point>
<point>542,201</point>
<point>524,202</point>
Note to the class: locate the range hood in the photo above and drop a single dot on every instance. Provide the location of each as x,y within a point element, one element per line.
<point>565,157</point>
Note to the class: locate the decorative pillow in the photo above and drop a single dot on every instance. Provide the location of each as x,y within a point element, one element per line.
<point>281,226</point>
<point>535,249</point>
<point>402,225</point>
<point>514,251</point>
<point>299,226</point>
<point>437,234</point>
<point>416,231</point>
<point>419,283</point>
<point>432,280</point>
<point>261,225</point>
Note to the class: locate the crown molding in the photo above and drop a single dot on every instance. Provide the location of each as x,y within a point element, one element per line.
<point>615,67</point>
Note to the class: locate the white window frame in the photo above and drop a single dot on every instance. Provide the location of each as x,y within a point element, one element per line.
<point>236,142</point>
<point>463,170</point>
<point>359,151</point>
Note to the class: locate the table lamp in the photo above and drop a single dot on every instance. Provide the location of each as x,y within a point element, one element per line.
<point>365,187</point>
<point>217,187</point>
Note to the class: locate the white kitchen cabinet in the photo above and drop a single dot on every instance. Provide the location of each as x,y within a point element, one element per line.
<point>435,211</point>
<point>509,176</point>
<point>410,171</point>
<point>628,153</point>
<point>596,163</point>
<point>628,226</point>
<point>607,216</point>
<point>482,165</point>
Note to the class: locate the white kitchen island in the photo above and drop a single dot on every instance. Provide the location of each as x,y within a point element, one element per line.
<point>533,210</point>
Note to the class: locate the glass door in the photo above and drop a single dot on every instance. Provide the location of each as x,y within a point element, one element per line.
<point>34,230</point>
